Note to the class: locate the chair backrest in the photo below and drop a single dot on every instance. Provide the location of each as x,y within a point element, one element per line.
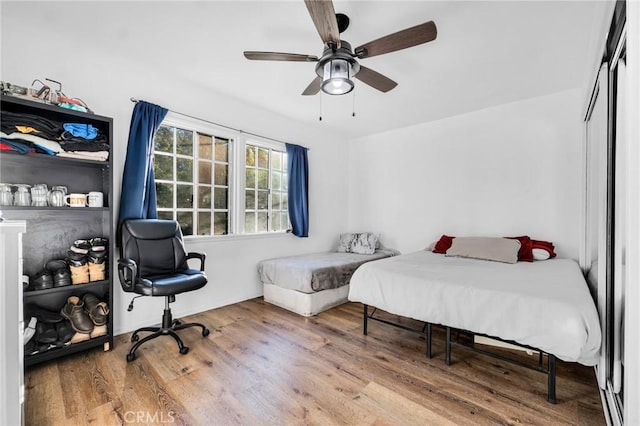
<point>155,245</point>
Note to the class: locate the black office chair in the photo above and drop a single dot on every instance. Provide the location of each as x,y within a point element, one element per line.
<point>153,262</point>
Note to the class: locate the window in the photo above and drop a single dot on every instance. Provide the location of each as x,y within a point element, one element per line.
<point>199,185</point>
<point>266,204</point>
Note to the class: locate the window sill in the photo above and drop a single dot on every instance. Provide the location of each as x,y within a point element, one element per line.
<point>234,237</point>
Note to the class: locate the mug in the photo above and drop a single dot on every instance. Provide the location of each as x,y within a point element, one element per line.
<point>6,196</point>
<point>95,199</point>
<point>56,196</point>
<point>75,200</point>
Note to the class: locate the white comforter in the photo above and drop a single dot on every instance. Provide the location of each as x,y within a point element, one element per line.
<point>544,304</point>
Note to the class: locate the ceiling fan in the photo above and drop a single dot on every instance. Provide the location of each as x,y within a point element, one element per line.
<point>338,63</point>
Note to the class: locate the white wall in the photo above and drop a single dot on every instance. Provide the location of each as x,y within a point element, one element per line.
<point>106,82</point>
<point>508,170</point>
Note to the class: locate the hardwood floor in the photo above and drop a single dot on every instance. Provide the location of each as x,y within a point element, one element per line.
<point>264,365</point>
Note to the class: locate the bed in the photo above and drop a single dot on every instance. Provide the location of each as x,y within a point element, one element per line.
<point>544,306</point>
<point>311,283</point>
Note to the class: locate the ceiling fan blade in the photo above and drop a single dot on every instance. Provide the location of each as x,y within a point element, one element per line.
<point>313,88</point>
<point>409,37</point>
<point>375,79</point>
<point>276,56</point>
<point>324,18</point>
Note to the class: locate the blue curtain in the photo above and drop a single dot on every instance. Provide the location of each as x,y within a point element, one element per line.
<point>138,194</point>
<point>298,169</point>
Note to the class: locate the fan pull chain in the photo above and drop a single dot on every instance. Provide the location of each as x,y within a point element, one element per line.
<point>353,105</point>
<point>320,96</point>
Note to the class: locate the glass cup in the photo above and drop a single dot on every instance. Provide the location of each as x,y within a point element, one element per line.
<point>39,195</point>
<point>6,197</point>
<point>56,196</point>
<point>22,197</point>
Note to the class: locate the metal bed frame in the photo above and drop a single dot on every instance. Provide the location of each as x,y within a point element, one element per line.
<point>549,369</point>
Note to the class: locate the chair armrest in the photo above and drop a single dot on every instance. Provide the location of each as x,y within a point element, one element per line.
<point>128,273</point>
<point>201,256</point>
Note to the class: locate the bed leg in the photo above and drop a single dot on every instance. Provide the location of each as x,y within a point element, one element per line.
<point>429,340</point>
<point>551,382</point>
<point>364,320</point>
<point>447,348</point>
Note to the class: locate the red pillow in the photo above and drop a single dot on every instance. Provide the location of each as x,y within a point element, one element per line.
<point>544,245</point>
<point>525,253</point>
<point>443,244</point>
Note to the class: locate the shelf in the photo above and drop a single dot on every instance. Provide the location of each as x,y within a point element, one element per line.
<point>33,294</point>
<point>53,159</point>
<point>30,360</point>
<point>58,209</point>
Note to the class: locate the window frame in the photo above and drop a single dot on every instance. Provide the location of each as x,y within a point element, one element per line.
<point>236,176</point>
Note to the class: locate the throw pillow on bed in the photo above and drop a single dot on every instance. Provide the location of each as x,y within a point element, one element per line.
<point>497,249</point>
<point>360,243</point>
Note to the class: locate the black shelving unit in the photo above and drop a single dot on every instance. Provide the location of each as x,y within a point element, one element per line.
<point>52,230</point>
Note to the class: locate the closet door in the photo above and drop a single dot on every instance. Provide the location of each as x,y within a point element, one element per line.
<point>596,211</point>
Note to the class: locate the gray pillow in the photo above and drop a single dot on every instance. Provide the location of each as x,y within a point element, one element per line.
<point>496,249</point>
<point>360,243</point>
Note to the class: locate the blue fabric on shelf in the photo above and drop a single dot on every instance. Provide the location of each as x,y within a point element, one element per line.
<point>298,170</point>
<point>19,147</point>
<point>86,131</point>
<point>138,194</point>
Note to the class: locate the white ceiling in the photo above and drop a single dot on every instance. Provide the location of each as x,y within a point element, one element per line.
<point>486,53</point>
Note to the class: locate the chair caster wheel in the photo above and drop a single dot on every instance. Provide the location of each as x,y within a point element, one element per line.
<point>131,357</point>
<point>205,332</point>
<point>184,350</point>
<point>135,338</point>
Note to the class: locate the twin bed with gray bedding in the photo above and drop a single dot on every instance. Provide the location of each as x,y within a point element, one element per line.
<point>311,283</point>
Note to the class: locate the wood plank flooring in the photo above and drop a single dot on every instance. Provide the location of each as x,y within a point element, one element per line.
<point>264,365</point>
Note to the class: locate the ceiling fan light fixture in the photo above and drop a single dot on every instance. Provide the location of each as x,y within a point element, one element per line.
<point>336,78</point>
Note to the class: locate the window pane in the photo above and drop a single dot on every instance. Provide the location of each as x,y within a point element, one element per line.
<point>204,223</point>
<point>263,200</point>
<point>220,198</point>
<point>251,178</point>
<point>275,201</point>
<point>164,139</point>
<point>263,158</point>
<point>249,222</point>
<point>284,221</point>
<point>184,169</point>
<point>250,200</point>
<point>250,152</point>
<point>163,167</point>
<point>204,197</point>
<point>185,219</point>
<point>221,223</point>
<point>184,196</point>
<point>164,195</point>
<point>263,179</point>
<point>276,160</point>
<point>262,221</point>
<point>275,222</point>
<point>222,150</point>
<point>275,180</point>
<point>204,172</point>
<point>165,215</point>
<point>204,146</point>
<point>221,174</point>
<point>285,182</point>
<point>284,204</point>
<point>184,142</point>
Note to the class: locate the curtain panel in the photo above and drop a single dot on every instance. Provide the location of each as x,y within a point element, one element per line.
<point>138,193</point>
<point>298,169</point>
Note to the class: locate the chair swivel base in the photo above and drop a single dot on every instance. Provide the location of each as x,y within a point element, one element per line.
<point>168,328</point>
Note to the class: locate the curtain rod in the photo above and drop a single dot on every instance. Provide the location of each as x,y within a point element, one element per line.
<point>134,100</point>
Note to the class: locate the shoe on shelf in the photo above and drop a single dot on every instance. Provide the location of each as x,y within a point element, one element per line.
<point>65,332</point>
<point>73,310</point>
<point>42,280</point>
<point>30,331</point>
<point>81,246</point>
<point>79,267</point>
<point>46,333</point>
<point>41,314</point>
<point>60,271</point>
<point>100,330</point>
<point>99,244</point>
<point>79,337</point>
<point>97,310</point>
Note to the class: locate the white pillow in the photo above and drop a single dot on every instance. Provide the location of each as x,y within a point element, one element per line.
<point>496,249</point>
<point>360,243</point>
<point>540,254</point>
